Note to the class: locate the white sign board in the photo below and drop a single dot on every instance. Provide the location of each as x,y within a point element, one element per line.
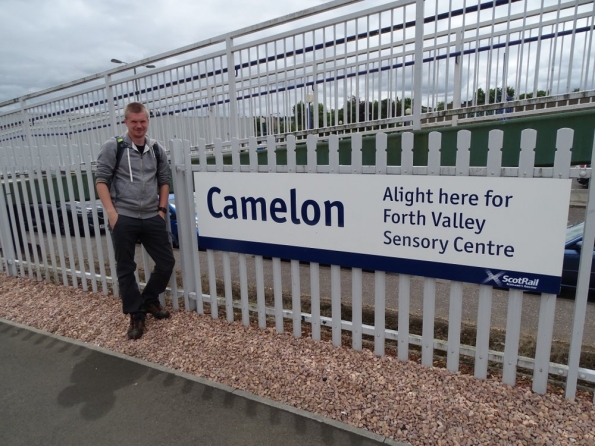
<point>507,232</point>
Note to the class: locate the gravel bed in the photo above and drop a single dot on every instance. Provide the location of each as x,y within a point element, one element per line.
<point>400,400</point>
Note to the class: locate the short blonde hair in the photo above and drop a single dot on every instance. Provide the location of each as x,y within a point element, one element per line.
<point>135,107</point>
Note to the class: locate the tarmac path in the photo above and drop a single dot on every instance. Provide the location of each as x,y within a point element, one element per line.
<point>58,392</point>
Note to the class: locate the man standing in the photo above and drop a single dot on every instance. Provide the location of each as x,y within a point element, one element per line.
<point>132,181</point>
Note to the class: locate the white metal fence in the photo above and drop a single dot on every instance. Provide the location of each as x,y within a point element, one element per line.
<point>406,63</point>
<point>85,261</point>
<point>482,355</point>
<point>348,68</point>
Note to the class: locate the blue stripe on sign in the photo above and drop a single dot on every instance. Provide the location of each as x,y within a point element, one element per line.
<point>493,277</point>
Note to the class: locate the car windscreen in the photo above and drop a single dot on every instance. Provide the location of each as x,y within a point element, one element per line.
<point>575,231</point>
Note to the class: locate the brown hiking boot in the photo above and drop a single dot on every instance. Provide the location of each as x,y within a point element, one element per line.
<point>157,311</point>
<point>137,326</point>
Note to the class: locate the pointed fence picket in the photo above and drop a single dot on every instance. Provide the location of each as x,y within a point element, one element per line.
<point>580,307</point>
<point>72,259</point>
<point>481,352</point>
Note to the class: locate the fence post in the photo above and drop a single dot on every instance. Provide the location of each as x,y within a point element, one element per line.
<point>405,279</point>
<point>231,79</point>
<point>582,291</point>
<point>109,93</point>
<point>26,128</point>
<point>211,130</point>
<point>456,288</point>
<point>484,308</point>
<point>19,223</point>
<point>5,228</point>
<point>54,171</point>
<point>32,213</point>
<point>27,189</point>
<point>87,156</point>
<point>418,67</point>
<point>278,298</point>
<point>379,276</point>
<point>515,297</point>
<point>547,308</point>
<point>42,214</point>
<point>456,100</point>
<point>184,216</point>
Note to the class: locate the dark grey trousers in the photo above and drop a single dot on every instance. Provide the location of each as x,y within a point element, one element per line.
<point>152,233</point>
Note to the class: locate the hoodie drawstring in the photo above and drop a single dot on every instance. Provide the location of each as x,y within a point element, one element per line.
<point>129,165</point>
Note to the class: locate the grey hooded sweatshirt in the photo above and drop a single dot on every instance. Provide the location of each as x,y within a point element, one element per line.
<point>135,186</point>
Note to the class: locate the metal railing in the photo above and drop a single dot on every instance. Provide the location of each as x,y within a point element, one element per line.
<point>356,73</point>
<point>83,257</point>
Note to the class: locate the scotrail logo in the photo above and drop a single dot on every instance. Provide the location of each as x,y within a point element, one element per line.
<point>494,277</point>
<point>503,280</point>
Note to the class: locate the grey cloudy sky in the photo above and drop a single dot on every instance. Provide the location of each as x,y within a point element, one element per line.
<point>44,43</point>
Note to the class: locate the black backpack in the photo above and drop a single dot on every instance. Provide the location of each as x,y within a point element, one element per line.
<point>124,145</point>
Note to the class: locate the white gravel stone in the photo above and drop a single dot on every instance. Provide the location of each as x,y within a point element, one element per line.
<point>400,400</point>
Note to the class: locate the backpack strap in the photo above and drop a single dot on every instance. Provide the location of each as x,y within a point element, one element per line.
<point>124,145</point>
<point>157,154</point>
<point>119,151</point>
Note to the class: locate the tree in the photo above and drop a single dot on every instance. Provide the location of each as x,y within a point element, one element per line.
<point>388,109</point>
<point>496,95</point>
<point>480,97</point>
<point>359,110</point>
<point>540,93</point>
<point>302,118</point>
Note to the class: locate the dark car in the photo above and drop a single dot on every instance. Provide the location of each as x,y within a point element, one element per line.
<point>173,220</point>
<point>572,253</point>
<point>80,212</point>
<point>23,210</point>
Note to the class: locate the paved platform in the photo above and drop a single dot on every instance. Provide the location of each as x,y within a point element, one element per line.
<point>55,391</point>
<point>578,197</point>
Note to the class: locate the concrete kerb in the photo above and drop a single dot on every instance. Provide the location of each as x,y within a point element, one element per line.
<point>240,393</point>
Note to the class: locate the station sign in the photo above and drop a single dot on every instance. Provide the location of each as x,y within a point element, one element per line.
<point>505,232</point>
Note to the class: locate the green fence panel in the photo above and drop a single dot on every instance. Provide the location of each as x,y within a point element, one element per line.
<point>547,126</point>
